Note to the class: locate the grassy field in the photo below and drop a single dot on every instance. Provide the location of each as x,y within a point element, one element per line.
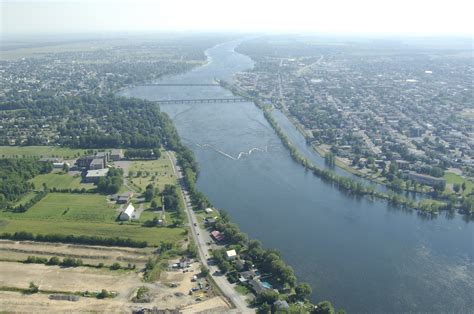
<point>40,151</point>
<point>452,178</point>
<point>82,214</point>
<point>157,172</point>
<point>154,236</point>
<point>64,206</point>
<point>60,180</point>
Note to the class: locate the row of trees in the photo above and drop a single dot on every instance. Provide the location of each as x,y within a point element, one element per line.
<point>82,239</point>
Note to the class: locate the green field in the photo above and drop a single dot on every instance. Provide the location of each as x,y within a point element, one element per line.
<point>64,206</point>
<point>60,180</point>
<point>40,151</point>
<point>452,178</point>
<point>154,236</point>
<point>82,214</point>
<point>157,172</point>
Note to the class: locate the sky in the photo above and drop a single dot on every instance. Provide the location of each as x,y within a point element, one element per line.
<point>415,17</point>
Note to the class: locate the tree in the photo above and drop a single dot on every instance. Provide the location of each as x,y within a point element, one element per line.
<point>103,294</point>
<point>456,187</point>
<point>54,260</point>
<point>267,296</point>
<point>33,288</point>
<point>65,168</point>
<point>264,308</point>
<point>154,204</point>
<point>303,291</point>
<point>324,307</point>
<point>115,266</point>
<point>463,187</point>
<point>204,271</point>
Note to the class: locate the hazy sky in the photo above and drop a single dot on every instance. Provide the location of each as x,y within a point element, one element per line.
<point>328,16</point>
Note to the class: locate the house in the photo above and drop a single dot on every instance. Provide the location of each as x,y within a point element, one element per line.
<point>217,236</point>
<point>247,275</point>
<point>208,210</point>
<point>257,286</point>
<point>425,179</point>
<point>97,163</point>
<point>116,154</point>
<point>124,198</point>
<point>210,221</point>
<point>93,176</point>
<point>128,213</point>
<point>231,254</point>
<point>281,305</point>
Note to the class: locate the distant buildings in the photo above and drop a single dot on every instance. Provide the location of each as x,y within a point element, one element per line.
<point>425,179</point>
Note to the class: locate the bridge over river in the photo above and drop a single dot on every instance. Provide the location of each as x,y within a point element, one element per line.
<point>199,100</point>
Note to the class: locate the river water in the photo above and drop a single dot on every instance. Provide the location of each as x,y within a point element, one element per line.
<point>362,255</point>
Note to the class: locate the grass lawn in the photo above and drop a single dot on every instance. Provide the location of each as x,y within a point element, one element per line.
<point>452,178</point>
<point>40,151</point>
<point>64,206</point>
<point>60,180</point>
<point>157,172</point>
<point>242,289</point>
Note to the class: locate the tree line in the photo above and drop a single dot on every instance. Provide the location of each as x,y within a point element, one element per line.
<point>82,239</point>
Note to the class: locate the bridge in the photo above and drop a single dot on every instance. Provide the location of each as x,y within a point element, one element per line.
<point>200,101</point>
<point>182,84</point>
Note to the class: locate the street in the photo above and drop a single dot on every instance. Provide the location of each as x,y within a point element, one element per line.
<point>201,238</point>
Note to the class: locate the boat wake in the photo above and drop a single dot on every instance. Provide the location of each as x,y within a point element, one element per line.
<point>240,155</point>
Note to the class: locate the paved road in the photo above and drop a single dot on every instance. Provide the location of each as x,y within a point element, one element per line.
<point>201,238</point>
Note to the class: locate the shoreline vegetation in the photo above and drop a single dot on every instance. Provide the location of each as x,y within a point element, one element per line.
<point>428,207</point>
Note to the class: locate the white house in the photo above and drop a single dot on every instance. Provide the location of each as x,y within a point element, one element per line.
<point>128,213</point>
<point>208,210</point>
<point>231,254</point>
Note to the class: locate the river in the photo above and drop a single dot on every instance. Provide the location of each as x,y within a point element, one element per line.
<point>362,255</point>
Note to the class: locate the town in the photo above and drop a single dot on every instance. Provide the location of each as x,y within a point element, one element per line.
<point>396,116</point>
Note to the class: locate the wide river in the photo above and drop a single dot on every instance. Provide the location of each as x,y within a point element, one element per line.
<point>362,255</point>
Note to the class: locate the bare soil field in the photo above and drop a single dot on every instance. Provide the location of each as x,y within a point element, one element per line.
<point>171,292</point>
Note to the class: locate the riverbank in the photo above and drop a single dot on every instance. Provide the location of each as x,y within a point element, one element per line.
<point>333,239</point>
<point>428,207</point>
